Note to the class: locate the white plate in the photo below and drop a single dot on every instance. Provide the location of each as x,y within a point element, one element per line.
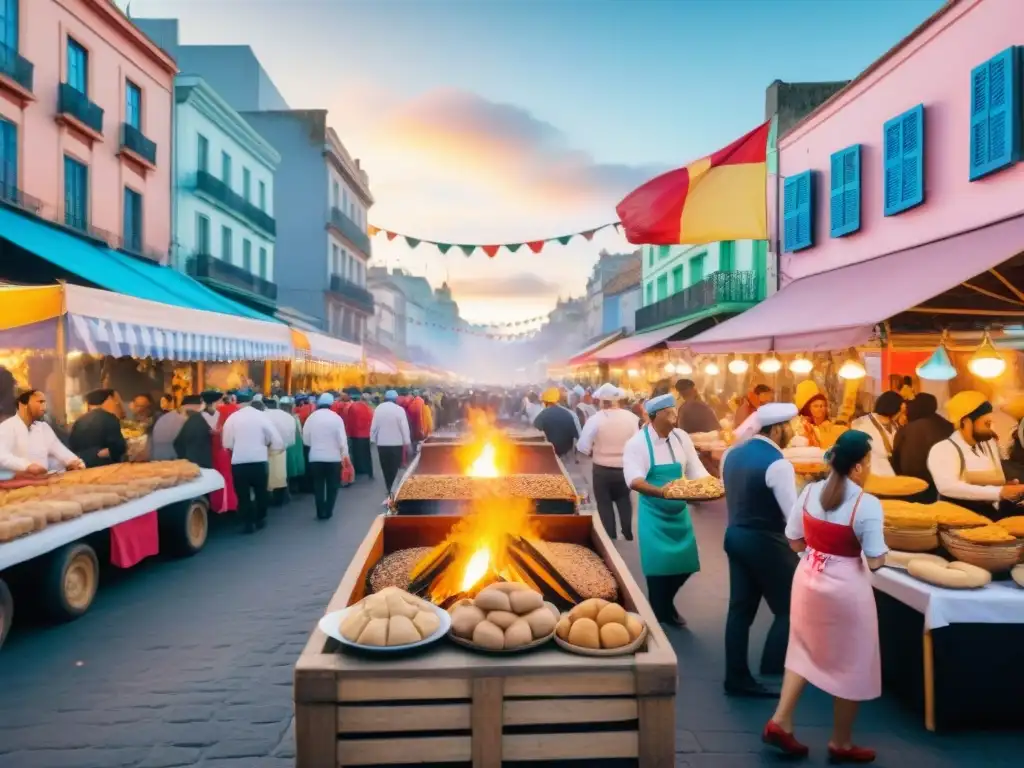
<point>330,625</point>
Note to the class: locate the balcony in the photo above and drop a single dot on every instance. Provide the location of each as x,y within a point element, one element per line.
<point>351,231</point>
<point>354,294</point>
<point>239,282</point>
<point>134,141</point>
<point>73,104</point>
<point>221,194</point>
<point>11,195</point>
<point>717,288</point>
<point>17,68</point>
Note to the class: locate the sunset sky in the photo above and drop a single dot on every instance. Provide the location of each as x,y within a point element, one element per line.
<point>512,120</point>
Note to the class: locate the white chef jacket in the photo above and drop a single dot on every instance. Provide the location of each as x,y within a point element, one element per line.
<point>636,460</point>
<point>881,463</point>
<point>390,425</point>
<point>324,434</point>
<point>605,435</point>
<point>248,434</point>
<point>780,477</point>
<point>21,446</point>
<point>944,466</point>
<point>213,419</point>
<point>284,423</point>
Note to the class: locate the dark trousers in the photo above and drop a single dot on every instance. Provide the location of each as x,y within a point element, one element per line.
<point>611,493</point>
<point>326,482</point>
<point>362,461</point>
<point>761,565</point>
<point>251,487</point>
<point>390,460</point>
<point>661,592</point>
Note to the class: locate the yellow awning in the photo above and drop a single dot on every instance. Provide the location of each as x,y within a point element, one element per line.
<point>24,305</point>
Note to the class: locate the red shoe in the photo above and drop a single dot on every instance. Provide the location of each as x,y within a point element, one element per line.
<point>837,756</point>
<point>774,736</point>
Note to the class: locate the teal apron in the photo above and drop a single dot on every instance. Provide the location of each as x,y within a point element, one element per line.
<point>667,544</point>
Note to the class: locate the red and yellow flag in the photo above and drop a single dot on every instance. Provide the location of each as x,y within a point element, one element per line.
<point>720,197</point>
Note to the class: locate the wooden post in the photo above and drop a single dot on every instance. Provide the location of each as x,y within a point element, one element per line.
<point>288,377</point>
<point>199,380</point>
<point>268,377</point>
<point>928,656</point>
<point>487,721</point>
<point>60,413</point>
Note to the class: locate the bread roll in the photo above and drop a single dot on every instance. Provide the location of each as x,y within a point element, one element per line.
<point>427,623</point>
<point>492,599</point>
<point>509,586</point>
<point>502,619</point>
<point>588,609</point>
<point>554,610</point>
<point>401,631</point>
<point>487,635</point>
<point>397,606</point>
<point>375,633</point>
<point>465,619</point>
<point>978,576</point>
<point>614,635</point>
<point>518,635</point>
<point>613,613</point>
<point>953,576</point>
<point>8,531</point>
<point>902,559</point>
<point>1017,574</point>
<point>584,633</point>
<point>524,601</point>
<point>562,628</point>
<point>377,606</point>
<point>541,622</point>
<point>354,623</point>
<point>634,626</point>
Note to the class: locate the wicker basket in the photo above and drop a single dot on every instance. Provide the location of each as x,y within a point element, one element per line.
<point>995,558</point>
<point>912,539</point>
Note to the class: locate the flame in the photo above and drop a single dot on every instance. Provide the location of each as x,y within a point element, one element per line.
<point>484,465</point>
<point>476,568</point>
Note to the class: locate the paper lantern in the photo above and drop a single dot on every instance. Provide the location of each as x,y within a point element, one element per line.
<point>711,369</point>
<point>852,368</point>
<point>770,365</point>
<point>801,366</point>
<point>937,367</point>
<point>986,362</point>
<point>738,366</point>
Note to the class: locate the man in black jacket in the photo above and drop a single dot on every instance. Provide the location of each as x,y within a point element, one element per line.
<point>194,439</point>
<point>96,437</point>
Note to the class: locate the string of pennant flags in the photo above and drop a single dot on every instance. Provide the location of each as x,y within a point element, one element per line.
<point>491,249</point>
<point>518,335</point>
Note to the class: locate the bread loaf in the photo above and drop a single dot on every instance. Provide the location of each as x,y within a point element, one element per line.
<point>952,576</point>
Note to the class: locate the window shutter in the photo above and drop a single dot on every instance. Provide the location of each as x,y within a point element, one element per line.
<point>844,192</point>
<point>789,214</point>
<point>798,212</point>
<point>836,198</point>
<point>903,161</point>
<point>995,114</point>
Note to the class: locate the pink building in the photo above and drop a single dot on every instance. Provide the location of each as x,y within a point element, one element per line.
<point>85,121</point>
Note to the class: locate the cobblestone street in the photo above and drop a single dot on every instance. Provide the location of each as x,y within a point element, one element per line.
<point>189,663</point>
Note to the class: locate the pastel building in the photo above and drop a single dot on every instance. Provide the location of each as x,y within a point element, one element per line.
<point>225,231</point>
<point>85,125</point>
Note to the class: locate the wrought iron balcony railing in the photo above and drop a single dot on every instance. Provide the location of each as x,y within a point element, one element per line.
<point>352,232</point>
<point>211,186</point>
<point>208,268</point>
<point>716,288</point>
<point>135,140</point>
<point>74,103</point>
<point>353,293</point>
<point>16,67</point>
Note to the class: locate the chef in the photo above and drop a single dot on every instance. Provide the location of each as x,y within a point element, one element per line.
<point>211,399</point>
<point>28,444</point>
<point>966,468</point>
<point>658,454</point>
<point>760,491</point>
<point>880,425</point>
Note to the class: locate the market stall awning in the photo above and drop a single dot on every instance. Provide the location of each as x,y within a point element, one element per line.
<point>376,365</point>
<point>634,345</point>
<point>840,308</point>
<point>333,350</point>
<point>585,354</point>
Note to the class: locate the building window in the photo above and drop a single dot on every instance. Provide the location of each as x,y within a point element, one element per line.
<point>247,255</point>
<point>663,251</point>
<point>225,168</point>
<point>903,161</point>
<point>335,260</point>
<point>78,67</point>
<point>8,160</point>
<point>9,24</point>
<point>335,194</point>
<point>225,244</point>
<point>662,287</point>
<point>677,279</point>
<point>263,263</point>
<point>696,269</point>
<point>344,199</point>
<point>202,234</point>
<point>132,222</point>
<point>246,184</point>
<point>844,191</point>
<point>650,255</point>
<point>995,114</point>
<point>727,256</point>
<point>263,196</point>
<point>798,212</point>
<point>203,159</point>
<point>133,105</point>
<point>76,193</point>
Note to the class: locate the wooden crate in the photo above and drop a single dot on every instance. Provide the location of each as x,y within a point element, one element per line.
<point>451,706</point>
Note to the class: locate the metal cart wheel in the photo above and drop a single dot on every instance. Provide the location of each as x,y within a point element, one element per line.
<point>70,580</point>
<point>185,527</point>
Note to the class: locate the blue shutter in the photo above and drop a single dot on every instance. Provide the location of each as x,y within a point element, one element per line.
<point>798,212</point>
<point>995,114</point>
<point>844,192</point>
<point>903,161</point>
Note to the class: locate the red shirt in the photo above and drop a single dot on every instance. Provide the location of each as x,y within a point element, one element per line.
<point>303,412</point>
<point>358,419</point>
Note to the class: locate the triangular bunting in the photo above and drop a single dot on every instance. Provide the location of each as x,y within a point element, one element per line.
<point>589,234</point>
<point>513,247</point>
<point>390,235</point>
<point>564,239</point>
<point>372,230</point>
<point>443,247</point>
<point>536,246</point>
<point>412,242</point>
<point>467,249</point>
<point>490,250</point>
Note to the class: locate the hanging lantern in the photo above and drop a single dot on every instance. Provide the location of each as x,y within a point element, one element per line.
<point>711,369</point>
<point>684,369</point>
<point>738,366</point>
<point>801,365</point>
<point>852,368</point>
<point>632,373</point>
<point>986,362</point>
<point>937,367</point>
<point>669,368</point>
<point>770,365</point>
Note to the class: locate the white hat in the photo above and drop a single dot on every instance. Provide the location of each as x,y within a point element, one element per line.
<point>770,414</point>
<point>606,392</point>
<point>659,403</point>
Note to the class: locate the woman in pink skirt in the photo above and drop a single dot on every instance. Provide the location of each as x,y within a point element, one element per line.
<point>833,636</point>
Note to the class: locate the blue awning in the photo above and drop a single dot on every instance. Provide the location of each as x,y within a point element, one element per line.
<point>115,271</point>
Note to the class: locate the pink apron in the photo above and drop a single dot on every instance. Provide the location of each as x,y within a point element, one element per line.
<point>833,631</point>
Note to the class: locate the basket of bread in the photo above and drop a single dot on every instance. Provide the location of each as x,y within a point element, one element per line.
<point>387,621</point>
<point>507,617</point>
<point>1013,525</point>
<point>597,627</point>
<point>951,516</point>
<point>894,486</point>
<point>909,527</point>
<point>706,488</point>
<point>808,460</point>
<point>990,547</point>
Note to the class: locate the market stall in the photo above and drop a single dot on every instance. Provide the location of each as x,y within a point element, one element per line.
<point>329,363</point>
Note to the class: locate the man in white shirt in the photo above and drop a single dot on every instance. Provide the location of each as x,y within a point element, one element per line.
<point>604,438</point>
<point>250,436</point>
<point>28,444</point>
<point>284,423</point>
<point>881,425</point>
<point>324,435</point>
<point>389,430</point>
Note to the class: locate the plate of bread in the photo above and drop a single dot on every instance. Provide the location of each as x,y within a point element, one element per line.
<point>388,621</point>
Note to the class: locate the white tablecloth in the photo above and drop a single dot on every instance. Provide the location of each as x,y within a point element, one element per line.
<point>1000,602</point>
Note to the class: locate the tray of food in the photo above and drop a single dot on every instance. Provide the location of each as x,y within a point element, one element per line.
<point>389,621</point>
<point>599,628</point>
<point>507,617</point>
<point>702,489</point>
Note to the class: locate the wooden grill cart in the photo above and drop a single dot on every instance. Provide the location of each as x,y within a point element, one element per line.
<point>453,706</point>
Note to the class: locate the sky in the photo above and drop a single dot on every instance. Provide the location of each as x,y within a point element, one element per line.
<point>494,121</point>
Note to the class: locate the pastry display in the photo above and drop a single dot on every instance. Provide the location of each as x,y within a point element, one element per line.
<point>897,485</point>
<point>701,489</point>
<point>507,616</point>
<point>1013,525</point>
<point>896,559</point>
<point>391,618</point>
<point>951,515</point>
<point>987,534</point>
<point>954,575</point>
<point>596,625</point>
